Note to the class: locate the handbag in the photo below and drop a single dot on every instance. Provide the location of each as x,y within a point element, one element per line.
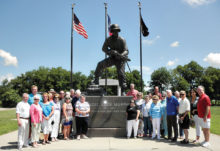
<point>192,123</point>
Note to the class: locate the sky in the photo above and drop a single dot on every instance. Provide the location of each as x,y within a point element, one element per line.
<point>36,33</point>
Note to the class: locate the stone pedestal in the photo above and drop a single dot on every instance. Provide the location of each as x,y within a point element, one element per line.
<point>111,82</point>
<point>107,116</point>
<point>94,90</point>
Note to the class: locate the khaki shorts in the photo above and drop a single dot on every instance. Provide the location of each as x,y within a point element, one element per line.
<point>204,124</point>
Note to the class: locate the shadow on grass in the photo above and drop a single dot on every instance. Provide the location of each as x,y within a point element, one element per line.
<point>12,145</point>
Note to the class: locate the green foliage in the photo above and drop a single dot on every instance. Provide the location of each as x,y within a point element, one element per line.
<point>211,81</point>
<point>191,72</point>
<point>10,98</point>
<point>178,82</point>
<point>161,78</point>
<point>46,79</point>
<point>187,77</point>
<point>134,77</point>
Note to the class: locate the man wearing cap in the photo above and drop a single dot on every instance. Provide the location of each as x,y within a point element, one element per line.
<point>114,46</point>
<point>23,115</point>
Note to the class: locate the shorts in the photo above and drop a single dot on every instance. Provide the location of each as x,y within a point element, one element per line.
<point>185,123</point>
<point>204,124</point>
<point>67,123</point>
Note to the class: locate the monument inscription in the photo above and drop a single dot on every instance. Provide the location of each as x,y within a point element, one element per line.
<point>108,111</point>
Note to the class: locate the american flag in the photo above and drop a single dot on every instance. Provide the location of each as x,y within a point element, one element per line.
<point>78,27</point>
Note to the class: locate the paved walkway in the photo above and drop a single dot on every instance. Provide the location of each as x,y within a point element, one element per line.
<point>3,109</point>
<point>9,142</point>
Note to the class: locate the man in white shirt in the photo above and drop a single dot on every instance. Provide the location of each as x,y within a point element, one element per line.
<point>184,108</point>
<point>23,115</point>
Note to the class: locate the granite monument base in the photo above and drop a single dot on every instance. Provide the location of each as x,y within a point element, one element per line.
<point>107,116</point>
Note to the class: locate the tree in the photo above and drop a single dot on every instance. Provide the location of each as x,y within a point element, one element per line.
<point>191,72</point>
<point>48,78</point>
<point>161,78</point>
<point>10,98</point>
<point>211,81</point>
<point>178,82</point>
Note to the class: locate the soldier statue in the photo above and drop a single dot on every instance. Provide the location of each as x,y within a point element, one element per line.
<point>115,47</point>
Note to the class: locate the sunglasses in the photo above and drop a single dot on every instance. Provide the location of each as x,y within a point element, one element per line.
<point>155,99</point>
<point>182,94</point>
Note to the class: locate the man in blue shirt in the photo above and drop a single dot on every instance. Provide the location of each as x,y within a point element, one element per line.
<point>172,111</point>
<point>34,90</point>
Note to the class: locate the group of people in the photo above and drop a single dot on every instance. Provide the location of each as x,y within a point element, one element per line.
<point>50,114</point>
<point>156,115</point>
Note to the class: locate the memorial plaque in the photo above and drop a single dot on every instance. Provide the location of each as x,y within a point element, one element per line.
<point>108,111</point>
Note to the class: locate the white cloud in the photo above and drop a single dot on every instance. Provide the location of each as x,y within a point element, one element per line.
<point>146,70</point>
<point>213,59</point>
<point>174,44</point>
<point>198,2</point>
<point>152,41</point>
<point>8,58</point>
<point>9,77</point>
<point>172,62</point>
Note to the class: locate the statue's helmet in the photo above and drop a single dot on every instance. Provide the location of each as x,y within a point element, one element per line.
<point>115,27</point>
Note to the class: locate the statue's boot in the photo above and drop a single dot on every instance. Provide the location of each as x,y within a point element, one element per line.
<point>96,81</point>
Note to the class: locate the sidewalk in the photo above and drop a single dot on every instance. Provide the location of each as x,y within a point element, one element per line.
<point>9,142</point>
<point>4,109</point>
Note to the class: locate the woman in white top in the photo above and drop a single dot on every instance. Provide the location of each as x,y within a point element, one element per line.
<point>57,110</point>
<point>147,122</point>
<point>82,116</point>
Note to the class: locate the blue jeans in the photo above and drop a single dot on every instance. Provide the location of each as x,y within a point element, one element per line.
<point>164,125</point>
<point>147,126</point>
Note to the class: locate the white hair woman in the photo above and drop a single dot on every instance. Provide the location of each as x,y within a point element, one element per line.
<point>36,119</point>
<point>82,116</point>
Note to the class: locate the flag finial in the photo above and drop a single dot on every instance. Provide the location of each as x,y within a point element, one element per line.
<point>73,5</point>
<point>139,4</point>
<point>105,4</point>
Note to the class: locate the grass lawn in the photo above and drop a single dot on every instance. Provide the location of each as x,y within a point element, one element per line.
<point>215,120</point>
<point>7,122</point>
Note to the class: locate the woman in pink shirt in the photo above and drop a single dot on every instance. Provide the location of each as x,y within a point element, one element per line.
<point>36,119</point>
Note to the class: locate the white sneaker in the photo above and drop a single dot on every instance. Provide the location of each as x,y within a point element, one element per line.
<point>153,137</point>
<point>26,146</point>
<point>202,143</point>
<point>20,148</point>
<point>84,136</point>
<point>206,144</point>
<point>135,137</point>
<point>78,137</point>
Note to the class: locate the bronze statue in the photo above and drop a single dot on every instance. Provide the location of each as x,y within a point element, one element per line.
<point>115,47</point>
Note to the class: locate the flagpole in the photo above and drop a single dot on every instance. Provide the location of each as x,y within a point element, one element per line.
<point>71,51</point>
<point>139,4</point>
<point>105,38</point>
